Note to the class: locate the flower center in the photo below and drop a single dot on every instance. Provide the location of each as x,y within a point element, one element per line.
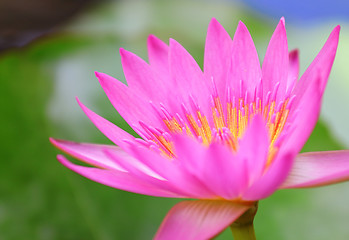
<point>228,123</point>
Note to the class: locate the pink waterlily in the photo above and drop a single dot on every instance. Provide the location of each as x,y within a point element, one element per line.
<point>228,135</point>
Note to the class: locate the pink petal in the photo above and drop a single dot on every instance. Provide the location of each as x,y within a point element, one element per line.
<point>222,172</point>
<point>318,169</point>
<point>113,158</point>
<point>275,64</point>
<point>158,52</point>
<point>245,64</point>
<point>293,69</point>
<point>173,172</point>
<point>254,148</point>
<point>143,173</point>
<point>303,118</point>
<point>188,78</point>
<point>132,106</point>
<point>102,156</point>
<point>217,56</point>
<point>202,219</point>
<point>275,175</point>
<point>215,167</point>
<point>309,91</point>
<point>319,68</point>
<point>141,78</point>
<point>92,154</point>
<point>116,179</point>
<point>111,131</point>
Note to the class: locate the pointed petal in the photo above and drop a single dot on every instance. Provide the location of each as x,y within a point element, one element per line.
<point>132,106</point>
<point>272,179</point>
<point>188,77</point>
<point>245,64</point>
<point>158,55</point>
<point>143,173</point>
<point>293,69</point>
<point>172,171</point>
<point>275,64</point>
<point>92,154</point>
<point>303,118</point>
<point>320,67</point>
<point>217,58</point>
<point>111,131</point>
<point>254,148</point>
<point>141,78</point>
<point>216,167</point>
<point>309,91</point>
<point>222,172</point>
<point>202,219</point>
<point>102,156</point>
<point>112,158</point>
<point>318,169</point>
<point>116,179</point>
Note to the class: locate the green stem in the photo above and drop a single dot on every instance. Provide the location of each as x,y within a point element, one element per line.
<point>242,228</point>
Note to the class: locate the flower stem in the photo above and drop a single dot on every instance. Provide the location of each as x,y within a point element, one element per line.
<point>242,228</point>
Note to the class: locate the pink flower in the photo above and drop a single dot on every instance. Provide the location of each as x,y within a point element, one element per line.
<point>228,136</point>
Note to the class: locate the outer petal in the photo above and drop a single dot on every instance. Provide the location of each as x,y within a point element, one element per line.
<point>143,173</point>
<point>103,156</point>
<point>158,55</point>
<point>217,58</point>
<point>142,79</point>
<point>320,67</point>
<point>172,171</point>
<point>275,64</point>
<point>116,179</point>
<point>131,105</point>
<point>245,66</point>
<point>302,120</point>
<point>188,78</point>
<point>202,219</point>
<point>92,154</point>
<point>308,92</point>
<point>111,131</point>
<point>318,169</point>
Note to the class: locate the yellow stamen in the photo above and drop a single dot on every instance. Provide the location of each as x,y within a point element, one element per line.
<point>228,130</point>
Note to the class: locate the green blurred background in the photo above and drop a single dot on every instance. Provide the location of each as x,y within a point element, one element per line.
<point>43,68</point>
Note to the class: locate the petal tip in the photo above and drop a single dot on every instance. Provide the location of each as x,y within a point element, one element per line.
<point>155,42</point>
<point>151,39</point>
<point>294,51</point>
<point>122,51</point>
<point>100,76</point>
<point>215,27</point>
<point>241,29</point>
<point>97,74</point>
<point>213,22</point>
<point>62,159</point>
<point>294,55</point>
<point>172,42</point>
<point>53,141</point>
<point>79,102</point>
<point>241,23</point>
<point>282,19</point>
<point>336,31</point>
<point>124,56</point>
